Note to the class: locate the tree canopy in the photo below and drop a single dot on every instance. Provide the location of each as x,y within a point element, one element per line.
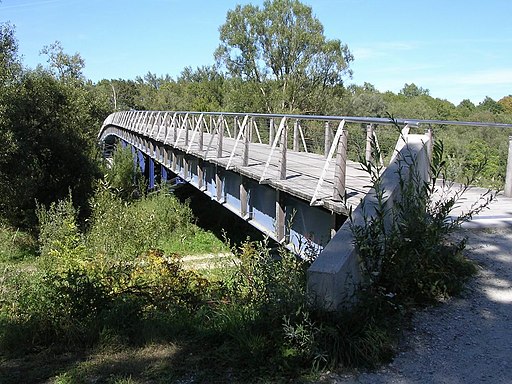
<point>48,127</point>
<point>282,43</point>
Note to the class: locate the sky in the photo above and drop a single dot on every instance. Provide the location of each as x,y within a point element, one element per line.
<point>457,49</point>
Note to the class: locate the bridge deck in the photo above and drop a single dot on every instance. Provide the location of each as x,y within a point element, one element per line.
<point>302,168</point>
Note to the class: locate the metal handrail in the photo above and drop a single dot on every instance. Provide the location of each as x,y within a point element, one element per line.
<point>349,119</point>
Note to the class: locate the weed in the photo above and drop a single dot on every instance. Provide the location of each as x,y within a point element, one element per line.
<point>405,248</point>
<point>124,178</point>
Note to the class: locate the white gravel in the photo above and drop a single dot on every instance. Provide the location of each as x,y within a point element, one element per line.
<point>465,340</point>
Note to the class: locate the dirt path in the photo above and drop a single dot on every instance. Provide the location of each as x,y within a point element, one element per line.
<point>466,340</point>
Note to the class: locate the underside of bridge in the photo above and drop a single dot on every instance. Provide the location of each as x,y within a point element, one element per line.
<point>283,217</point>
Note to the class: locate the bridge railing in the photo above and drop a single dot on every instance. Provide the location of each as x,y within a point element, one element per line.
<point>204,133</point>
<point>283,133</point>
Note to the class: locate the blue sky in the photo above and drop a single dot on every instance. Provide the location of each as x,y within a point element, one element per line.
<point>456,48</point>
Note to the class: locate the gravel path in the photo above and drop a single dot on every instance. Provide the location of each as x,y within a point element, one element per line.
<point>466,340</point>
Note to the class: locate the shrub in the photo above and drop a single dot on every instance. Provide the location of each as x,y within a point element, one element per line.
<point>124,177</point>
<point>124,230</point>
<point>60,241</point>
<point>272,282</point>
<point>111,278</point>
<point>406,251</point>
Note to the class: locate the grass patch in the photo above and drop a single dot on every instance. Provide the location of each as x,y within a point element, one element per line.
<point>16,246</point>
<point>191,240</point>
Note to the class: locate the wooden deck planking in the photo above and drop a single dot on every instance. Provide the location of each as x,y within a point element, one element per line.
<point>303,169</point>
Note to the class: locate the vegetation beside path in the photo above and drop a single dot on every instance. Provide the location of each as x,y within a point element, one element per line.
<point>113,300</point>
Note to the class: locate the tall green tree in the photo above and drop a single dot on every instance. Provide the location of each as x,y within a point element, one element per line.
<point>506,103</point>
<point>48,125</point>
<point>10,66</point>
<point>412,90</point>
<point>62,65</point>
<point>284,44</point>
<point>491,105</point>
<point>202,89</point>
<point>465,108</point>
<point>363,101</point>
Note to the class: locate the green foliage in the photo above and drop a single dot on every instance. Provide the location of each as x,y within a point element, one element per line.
<point>273,283</point>
<point>201,89</point>
<point>146,223</point>
<point>488,104</point>
<point>412,90</point>
<point>58,232</point>
<point>10,67</point>
<point>83,293</point>
<point>300,335</point>
<point>480,152</point>
<point>79,288</point>
<point>363,101</point>
<point>282,43</point>
<point>63,66</point>
<point>363,336</point>
<point>48,124</point>
<point>506,104</point>
<point>124,177</point>
<point>405,249</point>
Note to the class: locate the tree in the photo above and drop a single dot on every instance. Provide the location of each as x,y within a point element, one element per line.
<point>412,90</point>
<point>282,43</point>
<point>489,104</point>
<point>63,65</point>
<point>506,103</point>
<point>9,63</point>
<point>48,128</point>
<point>153,80</point>
<point>465,108</point>
<point>364,101</point>
<point>202,89</point>
<point>53,126</point>
<point>10,71</point>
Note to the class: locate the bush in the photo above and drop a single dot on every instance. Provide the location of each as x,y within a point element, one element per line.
<point>406,251</point>
<point>271,282</point>
<point>112,277</point>
<point>124,177</point>
<point>124,230</point>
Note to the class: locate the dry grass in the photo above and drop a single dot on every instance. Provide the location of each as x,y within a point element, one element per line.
<point>154,363</point>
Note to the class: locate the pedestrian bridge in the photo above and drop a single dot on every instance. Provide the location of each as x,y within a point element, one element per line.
<point>290,176</point>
